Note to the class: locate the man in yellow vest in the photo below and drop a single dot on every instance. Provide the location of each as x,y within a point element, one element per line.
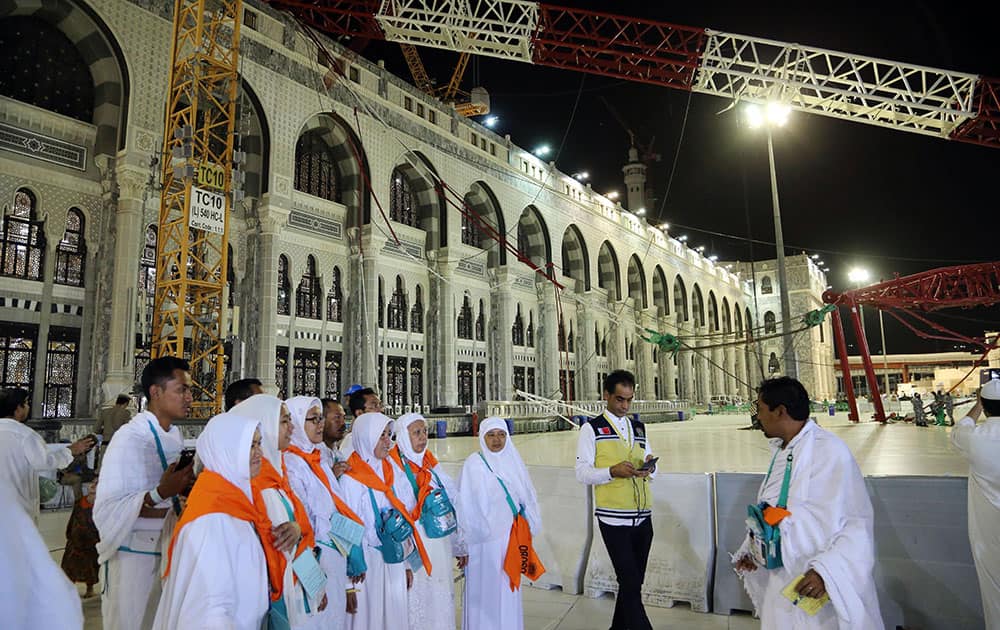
<point>609,456</point>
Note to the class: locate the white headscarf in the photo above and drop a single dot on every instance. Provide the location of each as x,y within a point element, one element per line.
<point>368,428</point>
<point>508,465</point>
<point>402,429</point>
<point>224,448</point>
<point>266,410</point>
<point>299,407</point>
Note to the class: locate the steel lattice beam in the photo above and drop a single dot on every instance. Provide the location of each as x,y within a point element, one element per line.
<point>962,286</point>
<point>191,263</point>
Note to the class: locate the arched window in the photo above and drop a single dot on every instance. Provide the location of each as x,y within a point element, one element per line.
<point>773,365</point>
<point>465,319</point>
<point>71,251</point>
<point>335,299</point>
<point>284,287</point>
<point>562,335</point>
<point>765,286</point>
<point>522,240</point>
<point>22,242</point>
<point>397,307</point>
<point>570,342</point>
<point>770,325</point>
<point>417,312</point>
<point>308,301</point>
<point>517,330</point>
<point>470,232</point>
<point>529,334</point>
<point>597,341</point>
<point>481,324</point>
<point>146,289</point>
<point>315,168</point>
<point>401,206</point>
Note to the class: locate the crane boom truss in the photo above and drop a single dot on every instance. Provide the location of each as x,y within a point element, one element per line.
<point>873,91</point>
<point>190,262</point>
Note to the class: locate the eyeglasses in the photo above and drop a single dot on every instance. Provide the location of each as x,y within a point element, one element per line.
<point>317,420</point>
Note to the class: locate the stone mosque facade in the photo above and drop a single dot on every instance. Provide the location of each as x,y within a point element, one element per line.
<point>349,262</point>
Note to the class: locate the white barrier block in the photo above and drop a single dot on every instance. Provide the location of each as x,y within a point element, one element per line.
<point>683,551</point>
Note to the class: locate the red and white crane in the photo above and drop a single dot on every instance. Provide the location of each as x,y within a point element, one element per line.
<point>918,99</point>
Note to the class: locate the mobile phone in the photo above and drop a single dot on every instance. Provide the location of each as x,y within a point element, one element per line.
<point>650,465</point>
<point>186,459</point>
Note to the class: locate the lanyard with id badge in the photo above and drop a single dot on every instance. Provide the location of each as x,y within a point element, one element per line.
<point>763,520</point>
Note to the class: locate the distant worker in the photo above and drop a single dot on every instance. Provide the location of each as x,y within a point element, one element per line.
<point>110,419</point>
<point>949,407</point>
<point>240,390</point>
<point>364,400</point>
<point>815,496</point>
<point>918,410</point>
<point>980,444</point>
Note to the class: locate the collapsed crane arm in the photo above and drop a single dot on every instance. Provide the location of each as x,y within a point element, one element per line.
<point>962,286</point>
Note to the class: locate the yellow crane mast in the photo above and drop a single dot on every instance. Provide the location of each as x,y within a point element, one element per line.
<point>198,172</point>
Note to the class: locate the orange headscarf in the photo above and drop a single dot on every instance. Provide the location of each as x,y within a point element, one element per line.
<point>361,472</point>
<point>314,459</point>
<point>213,494</point>
<point>422,475</point>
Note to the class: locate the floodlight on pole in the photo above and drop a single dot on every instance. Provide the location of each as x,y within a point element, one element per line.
<point>491,121</point>
<point>581,176</point>
<point>543,150</point>
<point>612,195</point>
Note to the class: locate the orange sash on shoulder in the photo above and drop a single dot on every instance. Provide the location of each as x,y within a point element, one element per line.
<point>315,462</point>
<point>213,494</point>
<point>361,472</point>
<point>422,474</point>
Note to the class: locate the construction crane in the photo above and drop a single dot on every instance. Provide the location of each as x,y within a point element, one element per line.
<point>198,173</point>
<point>201,165</point>
<point>465,103</point>
<point>908,299</point>
<point>929,101</point>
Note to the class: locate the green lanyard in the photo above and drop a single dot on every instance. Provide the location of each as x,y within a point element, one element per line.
<point>510,501</point>
<point>785,481</point>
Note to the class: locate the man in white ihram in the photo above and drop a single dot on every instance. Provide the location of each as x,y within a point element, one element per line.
<point>827,530</point>
<point>981,446</point>
<point>137,497</point>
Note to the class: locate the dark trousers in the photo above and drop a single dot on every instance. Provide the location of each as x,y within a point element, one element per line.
<point>628,547</point>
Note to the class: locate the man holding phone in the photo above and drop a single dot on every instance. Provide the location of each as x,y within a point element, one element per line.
<point>613,455</point>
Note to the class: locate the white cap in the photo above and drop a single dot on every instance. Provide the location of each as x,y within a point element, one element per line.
<point>991,390</point>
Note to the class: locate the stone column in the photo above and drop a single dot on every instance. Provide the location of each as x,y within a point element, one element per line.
<point>501,350</point>
<point>128,241</point>
<point>86,348</point>
<point>644,359</point>
<point>586,365</point>
<point>548,340</point>
<point>53,229</point>
<point>272,219</point>
<point>668,372</point>
<point>442,368</point>
<point>717,368</point>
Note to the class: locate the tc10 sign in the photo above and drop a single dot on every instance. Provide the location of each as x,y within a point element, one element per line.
<point>208,211</point>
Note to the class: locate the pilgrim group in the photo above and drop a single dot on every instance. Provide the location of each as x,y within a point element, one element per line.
<point>277,520</point>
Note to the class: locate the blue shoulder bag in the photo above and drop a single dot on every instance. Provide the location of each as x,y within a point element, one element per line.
<point>437,514</point>
<point>396,536</point>
<point>765,538</point>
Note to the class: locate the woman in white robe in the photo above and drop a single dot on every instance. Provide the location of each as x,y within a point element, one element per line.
<point>382,600</point>
<point>485,518</point>
<point>279,501</point>
<point>316,486</point>
<point>431,599</point>
<point>217,570</point>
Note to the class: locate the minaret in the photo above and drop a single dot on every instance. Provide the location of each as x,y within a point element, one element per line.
<point>635,180</point>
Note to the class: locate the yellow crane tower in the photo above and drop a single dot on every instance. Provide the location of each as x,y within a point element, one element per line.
<point>199,167</point>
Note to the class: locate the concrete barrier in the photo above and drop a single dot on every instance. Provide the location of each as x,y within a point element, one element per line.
<point>923,562</point>
<point>683,552</point>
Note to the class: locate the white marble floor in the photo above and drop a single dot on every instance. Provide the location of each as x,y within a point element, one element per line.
<point>704,444</point>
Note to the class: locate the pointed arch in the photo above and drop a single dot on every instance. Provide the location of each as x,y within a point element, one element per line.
<point>575,258</point>
<point>255,142</point>
<point>698,305</point>
<point>533,238</point>
<point>713,312</point>
<point>637,282</point>
<point>661,295</point>
<point>335,298</point>
<point>608,274</point>
<point>284,286</point>
<point>770,323</point>
<point>680,299</point>
<point>727,319</point>
<point>349,162</point>
<point>71,252</point>
<point>738,317</point>
<point>766,287</point>
<point>483,202</point>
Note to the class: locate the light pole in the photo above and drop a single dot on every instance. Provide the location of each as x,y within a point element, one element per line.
<point>768,117</point>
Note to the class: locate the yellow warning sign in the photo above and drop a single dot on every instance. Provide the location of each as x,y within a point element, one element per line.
<point>211,176</point>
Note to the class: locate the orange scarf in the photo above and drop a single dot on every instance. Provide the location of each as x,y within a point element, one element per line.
<point>315,462</point>
<point>213,494</point>
<point>361,472</point>
<point>270,479</point>
<point>422,474</point>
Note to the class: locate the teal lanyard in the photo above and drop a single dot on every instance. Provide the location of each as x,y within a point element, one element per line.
<point>163,462</point>
<point>413,480</point>
<point>510,501</point>
<point>785,481</point>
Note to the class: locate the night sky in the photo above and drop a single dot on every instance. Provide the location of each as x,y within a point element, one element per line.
<point>859,195</point>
